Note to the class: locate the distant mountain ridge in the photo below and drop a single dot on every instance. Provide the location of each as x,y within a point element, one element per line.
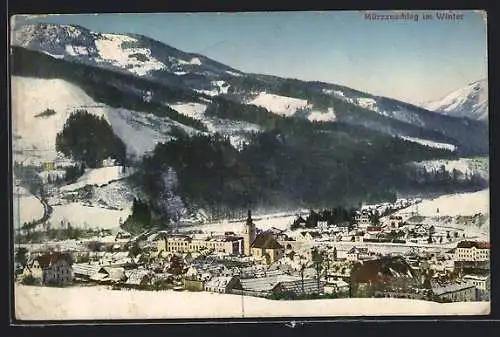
<point>470,101</point>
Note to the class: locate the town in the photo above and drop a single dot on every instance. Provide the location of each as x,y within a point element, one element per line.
<point>383,250</point>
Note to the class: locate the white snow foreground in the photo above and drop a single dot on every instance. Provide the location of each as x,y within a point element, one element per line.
<point>31,96</point>
<point>87,303</point>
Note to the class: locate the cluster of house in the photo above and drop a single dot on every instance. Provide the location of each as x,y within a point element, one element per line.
<point>267,264</point>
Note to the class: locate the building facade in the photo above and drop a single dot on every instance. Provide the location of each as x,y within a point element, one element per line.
<point>186,244</point>
<point>472,251</point>
<point>51,268</point>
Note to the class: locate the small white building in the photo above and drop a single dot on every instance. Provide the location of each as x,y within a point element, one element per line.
<point>109,162</point>
<point>363,220</point>
<point>220,284</point>
<point>356,254</point>
<point>336,286</point>
<point>481,282</point>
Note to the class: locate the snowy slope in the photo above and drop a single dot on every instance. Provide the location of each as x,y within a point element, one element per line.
<point>79,215</point>
<point>99,176</point>
<point>431,143</point>
<point>470,101</point>
<point>318,116</point>
<point>455,204</point>
<point>193,110</point>
<point>137,60</point>
<point>139,131</point>
<point>467,166</point>
<point>236,130</point>
<point>282,105</point>
<point>26,207</point>
<point>116,194</point>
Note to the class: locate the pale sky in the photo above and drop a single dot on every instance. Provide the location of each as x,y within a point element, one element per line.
<point>413,61</point>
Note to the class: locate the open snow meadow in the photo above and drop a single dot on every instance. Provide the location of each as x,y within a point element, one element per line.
<point>91,303</point>
<point>457,204</point>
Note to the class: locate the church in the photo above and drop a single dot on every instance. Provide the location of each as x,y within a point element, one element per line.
<point>263,245</point>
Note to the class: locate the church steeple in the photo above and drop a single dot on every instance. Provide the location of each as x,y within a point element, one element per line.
<point>249,234</point>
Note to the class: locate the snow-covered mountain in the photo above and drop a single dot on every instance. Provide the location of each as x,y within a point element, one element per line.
<point>130,53</point>
<point>197,79</point>
<point>470,101</point>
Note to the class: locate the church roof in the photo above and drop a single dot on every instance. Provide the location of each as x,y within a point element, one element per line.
<point>266,241</point>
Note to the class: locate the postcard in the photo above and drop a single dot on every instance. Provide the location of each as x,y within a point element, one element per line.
<point>250,165</point>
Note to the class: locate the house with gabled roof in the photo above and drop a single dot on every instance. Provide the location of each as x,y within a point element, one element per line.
<point>458,291</point>
<point>220,284</point>
<point>51,268</point>
<point>138,278</point>
<point>384,275</point>
<point>84,271</point>
<point>299,287</point>
<point>259,286</point>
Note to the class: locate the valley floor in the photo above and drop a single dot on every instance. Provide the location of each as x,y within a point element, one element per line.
<point>91,303</point>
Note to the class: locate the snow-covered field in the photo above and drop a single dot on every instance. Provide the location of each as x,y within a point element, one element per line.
<point>83,216</point>
<point>99,176</point>
<point>87,303</point>
<point>281,221</point>
<point>29,207</point>
<point>455,204</point>
<point>193,110</point>
<point>279,104</point>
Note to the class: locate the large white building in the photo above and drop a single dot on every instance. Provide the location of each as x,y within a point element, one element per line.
<point>472,251</point>
<point>183,244</point>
